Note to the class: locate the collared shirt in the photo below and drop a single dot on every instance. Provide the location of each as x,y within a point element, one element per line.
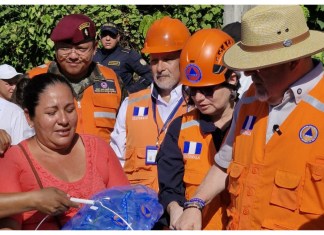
<point>14,122</point>
<point>118,136</point>
<point>277,114</point>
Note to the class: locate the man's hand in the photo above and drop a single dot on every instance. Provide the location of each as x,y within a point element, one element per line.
<point>5,141</point>
<point>51,201</point>
<point>189,220</point>
<point>175,212</point>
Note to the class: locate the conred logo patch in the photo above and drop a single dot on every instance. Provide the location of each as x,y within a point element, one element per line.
<point>193,73</point>
<point>308,134</point>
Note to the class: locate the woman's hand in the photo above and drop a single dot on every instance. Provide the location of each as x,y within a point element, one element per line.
<point>51,201</point>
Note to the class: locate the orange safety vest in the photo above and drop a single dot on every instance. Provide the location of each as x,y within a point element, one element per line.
<point>279,184</point>
<point>96,111</point>
<point>141,131</point>
<point>198,155</point>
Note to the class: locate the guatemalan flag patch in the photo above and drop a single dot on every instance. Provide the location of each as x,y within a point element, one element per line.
<point>140,112</point>
<point>192,149</point>
<point>248,125</point>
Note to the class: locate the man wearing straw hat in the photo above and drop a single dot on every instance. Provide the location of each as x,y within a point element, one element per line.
<point>272,161</point>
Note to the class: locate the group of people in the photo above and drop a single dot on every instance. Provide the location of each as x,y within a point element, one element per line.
<point>216,158</point>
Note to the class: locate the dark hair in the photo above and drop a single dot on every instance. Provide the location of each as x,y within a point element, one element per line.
<point>36,87</point>
<point>17,96</point>
<point>234,30</point>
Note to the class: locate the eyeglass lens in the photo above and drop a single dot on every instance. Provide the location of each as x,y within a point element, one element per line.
<point>206,91</point>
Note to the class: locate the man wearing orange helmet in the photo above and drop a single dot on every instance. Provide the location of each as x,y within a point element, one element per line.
<point>144,116</point>
<point>192,139</point>
<point>273,152</point>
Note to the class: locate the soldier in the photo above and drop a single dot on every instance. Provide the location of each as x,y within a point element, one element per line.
<point>124,61</point>
<point>95,87</point>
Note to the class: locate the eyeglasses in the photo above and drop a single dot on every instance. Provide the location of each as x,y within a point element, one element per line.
<point>206,90</point>
<point>66,51</point>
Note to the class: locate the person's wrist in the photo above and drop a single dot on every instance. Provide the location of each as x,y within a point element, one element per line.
<point>172,206</point>
<point>194,203</point>
<point>32,199</point>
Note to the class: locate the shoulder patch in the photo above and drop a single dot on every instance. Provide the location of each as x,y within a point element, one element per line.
<point>143,62</point>
<point>114,62</point>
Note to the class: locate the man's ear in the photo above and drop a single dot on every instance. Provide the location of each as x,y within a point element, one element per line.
<point>118,37</point>
<point>234,78</point>
<point>95,46</point>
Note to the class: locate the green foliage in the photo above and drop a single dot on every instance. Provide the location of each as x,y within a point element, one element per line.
<point>315,20</point>
<point>25,29</point>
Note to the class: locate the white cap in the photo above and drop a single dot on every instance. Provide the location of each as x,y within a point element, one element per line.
<point>7,72</point>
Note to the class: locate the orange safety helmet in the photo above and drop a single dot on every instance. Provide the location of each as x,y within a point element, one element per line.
<point>201,58</point>
<point>166,35</point>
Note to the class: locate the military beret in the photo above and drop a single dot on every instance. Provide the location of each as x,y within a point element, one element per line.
<point>74,28</point>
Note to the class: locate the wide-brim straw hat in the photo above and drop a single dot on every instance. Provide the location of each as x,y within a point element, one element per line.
<point>273,35</point>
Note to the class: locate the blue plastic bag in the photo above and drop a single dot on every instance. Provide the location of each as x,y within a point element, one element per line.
<point>134,207</point>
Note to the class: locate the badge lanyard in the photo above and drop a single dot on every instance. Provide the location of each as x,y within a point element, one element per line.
<point>160,131</point>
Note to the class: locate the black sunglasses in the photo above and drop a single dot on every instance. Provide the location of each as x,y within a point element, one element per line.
<point>205,90</point>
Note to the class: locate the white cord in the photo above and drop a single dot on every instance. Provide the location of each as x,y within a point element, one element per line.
<point>128,225</point>
<point>91,202</point>
<point>41,222</point>
<point>83,201</point>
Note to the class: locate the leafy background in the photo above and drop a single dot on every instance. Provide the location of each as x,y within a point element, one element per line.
<point>25,29</point>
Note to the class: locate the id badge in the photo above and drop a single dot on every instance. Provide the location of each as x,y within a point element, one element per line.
<point>151,152</point>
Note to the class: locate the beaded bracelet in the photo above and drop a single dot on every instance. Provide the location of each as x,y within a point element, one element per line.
<point>198,200</point>
<point>192,206</point>
<point>194,203</point>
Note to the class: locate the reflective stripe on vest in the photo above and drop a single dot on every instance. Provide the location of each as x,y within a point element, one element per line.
<point>104,115</point>
<point>186,125</point>
<point>137,99</point>
<point>314,102</point>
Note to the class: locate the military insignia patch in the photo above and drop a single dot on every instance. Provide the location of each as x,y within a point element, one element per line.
<point>84,25</point>
<point>105,86</point>
<point>308,134</point>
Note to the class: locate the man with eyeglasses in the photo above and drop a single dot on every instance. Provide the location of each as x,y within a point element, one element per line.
<point>124,61</point>
<point>96,88</point>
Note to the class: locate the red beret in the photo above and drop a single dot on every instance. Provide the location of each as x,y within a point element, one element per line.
<point>75,28</point>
